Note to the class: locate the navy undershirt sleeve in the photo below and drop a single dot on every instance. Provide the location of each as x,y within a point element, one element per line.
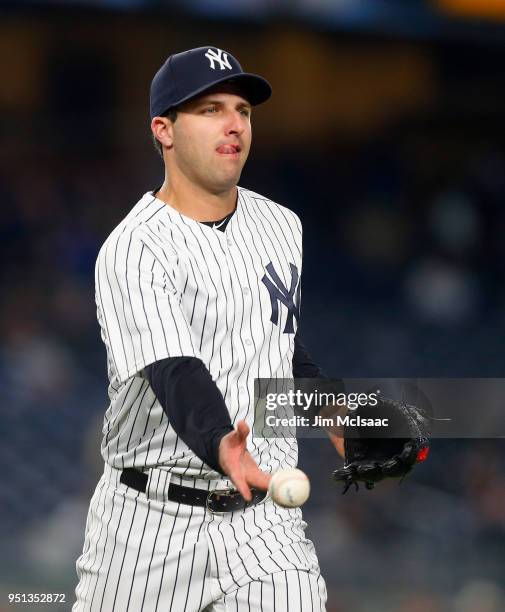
<point>193,404</point>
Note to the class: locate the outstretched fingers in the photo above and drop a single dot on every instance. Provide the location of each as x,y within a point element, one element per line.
<point>238,463</point>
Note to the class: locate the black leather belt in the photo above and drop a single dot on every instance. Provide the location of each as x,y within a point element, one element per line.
<point>219,500</point>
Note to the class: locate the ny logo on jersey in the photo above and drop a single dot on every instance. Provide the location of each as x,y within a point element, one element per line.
<point>218,56</point>
<point>279,293</point>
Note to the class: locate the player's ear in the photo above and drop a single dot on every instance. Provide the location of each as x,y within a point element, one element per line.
<point>162,129</point>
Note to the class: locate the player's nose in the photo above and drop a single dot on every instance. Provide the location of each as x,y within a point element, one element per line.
<point>234,123</point>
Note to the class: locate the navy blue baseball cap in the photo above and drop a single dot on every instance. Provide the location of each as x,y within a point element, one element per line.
<point>188,74</point>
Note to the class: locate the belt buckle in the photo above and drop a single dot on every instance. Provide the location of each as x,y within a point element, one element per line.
<point>221,493</point>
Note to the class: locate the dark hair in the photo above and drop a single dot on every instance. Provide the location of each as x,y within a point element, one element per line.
<point>171,114</point>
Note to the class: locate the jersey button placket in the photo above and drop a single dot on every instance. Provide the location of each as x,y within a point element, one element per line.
<point>245,291</point>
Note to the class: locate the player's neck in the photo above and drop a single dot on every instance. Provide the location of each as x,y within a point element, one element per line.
<point>195,202</point>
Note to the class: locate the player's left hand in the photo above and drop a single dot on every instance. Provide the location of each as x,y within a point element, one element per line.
<point>238,464</point>
<point>373,454</point>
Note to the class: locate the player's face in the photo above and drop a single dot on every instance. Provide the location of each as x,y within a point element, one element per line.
<point>212,138</point>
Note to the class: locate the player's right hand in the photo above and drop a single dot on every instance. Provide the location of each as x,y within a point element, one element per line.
<point>238,464</point>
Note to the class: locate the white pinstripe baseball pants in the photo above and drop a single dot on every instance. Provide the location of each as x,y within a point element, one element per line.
<point>145,554</point>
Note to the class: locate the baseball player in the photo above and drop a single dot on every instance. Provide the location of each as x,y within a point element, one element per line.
<point>198,294</point>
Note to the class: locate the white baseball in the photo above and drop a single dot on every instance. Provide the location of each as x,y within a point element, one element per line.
<point>289,488</point>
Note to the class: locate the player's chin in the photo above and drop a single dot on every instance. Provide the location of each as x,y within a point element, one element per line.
<point>229,176</point>
<point>221,182</point>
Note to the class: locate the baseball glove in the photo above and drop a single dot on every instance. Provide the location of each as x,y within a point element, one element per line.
<point>378,452</point>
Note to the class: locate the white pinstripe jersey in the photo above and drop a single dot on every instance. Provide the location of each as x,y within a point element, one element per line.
<point>167,286</point>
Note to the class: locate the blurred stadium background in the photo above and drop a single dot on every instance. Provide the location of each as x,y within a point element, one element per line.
<point>386,135</point>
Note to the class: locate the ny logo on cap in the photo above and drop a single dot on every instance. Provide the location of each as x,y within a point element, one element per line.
<point>279,293</point>
<point>218,56</point>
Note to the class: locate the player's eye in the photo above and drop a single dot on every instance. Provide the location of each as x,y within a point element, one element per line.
<point>246,112</point>
<point>210,109</point>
